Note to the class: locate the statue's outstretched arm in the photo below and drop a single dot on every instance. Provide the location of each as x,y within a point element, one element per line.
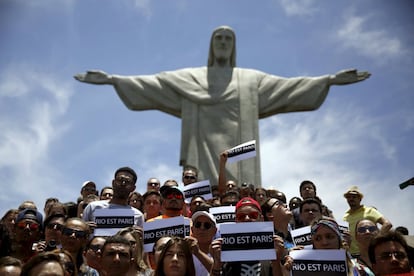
<point>94,77</point>
<point>348,76</point>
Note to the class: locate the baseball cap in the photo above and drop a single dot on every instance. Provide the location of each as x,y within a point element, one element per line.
<point>30,214</point>
<point>87,183</point>
<point>248,201</point>
<point>166,190</point>
<point>203,213</point>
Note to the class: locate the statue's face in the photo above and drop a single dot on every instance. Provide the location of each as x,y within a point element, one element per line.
<point>223,42</point>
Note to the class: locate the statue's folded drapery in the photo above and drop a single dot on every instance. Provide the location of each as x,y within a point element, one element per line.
<point>220,108</point>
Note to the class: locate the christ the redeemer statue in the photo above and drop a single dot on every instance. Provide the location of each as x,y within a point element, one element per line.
<point>220,105</point>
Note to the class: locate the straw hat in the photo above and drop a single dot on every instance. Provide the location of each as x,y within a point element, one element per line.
<point>354,190</point>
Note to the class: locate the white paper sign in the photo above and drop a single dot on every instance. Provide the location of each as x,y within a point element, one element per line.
<point>110,221</point>
<point>176,226</point>
<point>241,152</point>
<point>224,214</point>
<point>201,188</point>
<point>323,262</point>
<point>302,236</point>
<point>247,241</point>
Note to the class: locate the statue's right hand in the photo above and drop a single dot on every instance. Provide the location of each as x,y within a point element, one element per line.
<point>95,77</point>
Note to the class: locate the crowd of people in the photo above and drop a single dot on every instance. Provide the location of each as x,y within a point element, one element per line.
<point>66,239</point>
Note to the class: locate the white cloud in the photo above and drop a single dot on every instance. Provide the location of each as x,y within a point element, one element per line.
<point>298,7</point>
<point>375,44</point>
<point>144,7</point>
<point>30,128</point>
<point>335,152</point>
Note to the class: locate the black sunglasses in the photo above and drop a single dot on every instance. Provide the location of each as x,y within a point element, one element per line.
<point>95,247</point>
<point>207,225</point>
<point>55,226</point>
<point>78,234</point>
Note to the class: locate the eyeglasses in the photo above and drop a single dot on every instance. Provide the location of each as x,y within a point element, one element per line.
<point>78,234</point>
<point>107,195</point>
<point>176,196</point>
<point>95,247</point>
<point>277,203</point>
<point>206,225</point>
<point>363,229</point>
<point>386,256</point>
<point>124,181</point>
<point>55,226</point>
<point>153,184</point>
<point>192,177</point>
<point>33,226</point>
<point>242,216</point>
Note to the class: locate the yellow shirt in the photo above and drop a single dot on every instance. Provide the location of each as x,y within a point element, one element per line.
<point>352,217</point>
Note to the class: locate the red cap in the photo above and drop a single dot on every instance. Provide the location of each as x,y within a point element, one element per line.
<point>246,201</point>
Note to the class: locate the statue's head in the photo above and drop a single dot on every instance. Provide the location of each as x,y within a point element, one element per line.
<point>211,55</point>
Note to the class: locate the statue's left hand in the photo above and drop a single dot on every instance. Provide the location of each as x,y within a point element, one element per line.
<point>94,77</point>
<point>349,76</point>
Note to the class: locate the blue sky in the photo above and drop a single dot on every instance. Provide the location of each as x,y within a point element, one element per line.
<point>55,132</point>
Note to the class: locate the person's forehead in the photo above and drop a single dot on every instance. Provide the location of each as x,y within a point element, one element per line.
<point>172,192</point>
<point>98,241</point>
<point>366,222</point>
<point>202,218</point>
<point>389,246</point>
<point>90,185</point>
<point>310,205</point>
<point>57,219</point>
<point>76,224</point>
<point>153,197</point>
<point>189,172</point>
<point>117,247</point>
<point>124,174</point>
<point>307,186</point>
<point>9,269</point>
<point>108,190</point>
<point>325,230</point>
<point>162,241</point>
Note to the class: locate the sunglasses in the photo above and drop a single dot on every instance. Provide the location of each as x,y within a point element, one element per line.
<point>107,195</point>
<point>33,226</point>
<point>176,196</point>
<point>190,177</point>
<point>277,203</point>
<point>94,247</point>
<point>124,181</point>
<point>55,226</point>
<point>78,234</point>
<point>363,229</point>
<point>386,256</point>
<point>252,215</point>
<point>206,225</point>
<point>153,184</point>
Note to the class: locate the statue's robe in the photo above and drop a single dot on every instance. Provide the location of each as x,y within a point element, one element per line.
<point>220,108</point>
